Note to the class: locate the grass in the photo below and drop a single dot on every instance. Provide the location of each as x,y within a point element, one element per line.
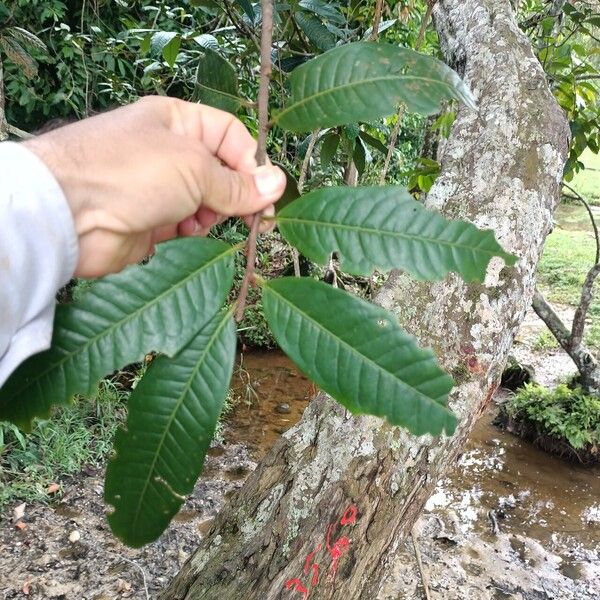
<point>545,341</point>
<point>568,256</point>
<point>77,435</point>
<point>587,182</point>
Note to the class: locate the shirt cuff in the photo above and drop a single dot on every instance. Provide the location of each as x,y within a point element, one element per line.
<point>38,253</point>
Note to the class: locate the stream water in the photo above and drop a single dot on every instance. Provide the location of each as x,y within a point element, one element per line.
<point>501,483</point>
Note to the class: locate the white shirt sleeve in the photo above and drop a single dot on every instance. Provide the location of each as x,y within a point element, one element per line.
<point>38,254</point>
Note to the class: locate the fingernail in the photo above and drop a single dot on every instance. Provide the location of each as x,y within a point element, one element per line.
<point>268,181</point>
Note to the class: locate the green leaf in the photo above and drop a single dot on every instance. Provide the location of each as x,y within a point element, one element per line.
<point>246,6</point>
<point>373,142</point>
<point>314,30</point>
<point>216,82</point>
<point>291,191</point>
<point>19,56</point>
<point>357,353</point>
<point>172,415</point>
<point>385,228</point>
<point>359,156</point>
<point>323,9</point>
<point>160,39</point>
<point>365,81</point>
<point>206,40</point>
<point>26,37</point>
<point>331,141</point>
<point>383,26</point>
<point>159,306</point>
<point>171,50</point>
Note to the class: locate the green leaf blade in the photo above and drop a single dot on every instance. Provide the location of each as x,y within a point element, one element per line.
<point>385,228</point>
<point>158,306</point>
<point>217,83</point>
<point>315,31</point>
<point>365,81</point>
<point>357,353</point>
<point>172,417</point>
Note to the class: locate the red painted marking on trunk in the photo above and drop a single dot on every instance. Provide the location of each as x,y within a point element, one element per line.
<point>297,584</point>
<point>336,551</point>
<point>309,558</point>
<point>315,577</point>
<point>349,517</point>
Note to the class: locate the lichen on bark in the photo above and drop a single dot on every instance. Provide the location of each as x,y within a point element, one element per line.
<point>501,169</point>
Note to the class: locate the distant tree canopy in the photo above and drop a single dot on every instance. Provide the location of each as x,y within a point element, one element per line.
<point>100,54</point>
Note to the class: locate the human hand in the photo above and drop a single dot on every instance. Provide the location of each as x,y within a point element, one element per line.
<point>150,171</point>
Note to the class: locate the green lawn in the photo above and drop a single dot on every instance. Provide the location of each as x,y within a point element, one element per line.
<point>568,256</point>
<point>587,182</point>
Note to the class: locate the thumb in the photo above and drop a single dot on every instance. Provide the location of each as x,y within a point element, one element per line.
<point>235,193</point>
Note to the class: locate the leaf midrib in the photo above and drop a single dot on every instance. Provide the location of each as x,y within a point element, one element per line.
<point>355,351</point>
<point>379,232</point>
<point>128,317</point>
<point>352,84</point>
<point>180,400</point>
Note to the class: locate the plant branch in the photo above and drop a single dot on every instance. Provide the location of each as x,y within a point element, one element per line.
<point>306,162</point>
<point>400,114</point>
<point>579,197</point>
<point>392,146</point>
<point>24,135</point>
<point>266,41</point>
<point>587,290</point>
<point>377,20</point>
<point>584,360</point>
<point>301,181</point>
<point>424,23</point>
<point>587,295</point>
<point>240,26</point>
<point>547,314</point>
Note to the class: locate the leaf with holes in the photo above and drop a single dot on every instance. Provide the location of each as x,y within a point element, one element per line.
<point>216,82</point>
<point>365,81</point>
<point>172,415</point>
<point>357,353</point>
<point>385,228</point>
<point>159,306</point>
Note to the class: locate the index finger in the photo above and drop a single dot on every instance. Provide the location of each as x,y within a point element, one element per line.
<point>223,134</point>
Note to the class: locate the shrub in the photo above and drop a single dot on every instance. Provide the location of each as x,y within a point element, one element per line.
<point>552,417</point>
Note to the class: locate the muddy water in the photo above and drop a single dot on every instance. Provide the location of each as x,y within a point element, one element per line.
<point>501,482</point>
<point>271,395</point>
<point>506,484</point>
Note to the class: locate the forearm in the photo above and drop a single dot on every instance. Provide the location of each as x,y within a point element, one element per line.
<point>38,254</point>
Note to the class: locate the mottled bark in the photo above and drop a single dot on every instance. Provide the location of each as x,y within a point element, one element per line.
<point>501,168</point>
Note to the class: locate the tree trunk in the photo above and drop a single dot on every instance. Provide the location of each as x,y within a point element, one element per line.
<point>329,506</point>
<point>582,356</point>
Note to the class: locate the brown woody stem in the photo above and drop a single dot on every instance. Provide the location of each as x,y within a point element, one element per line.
<point>266,40</point>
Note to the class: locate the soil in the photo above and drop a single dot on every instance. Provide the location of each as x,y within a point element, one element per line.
<point>509,522</point>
